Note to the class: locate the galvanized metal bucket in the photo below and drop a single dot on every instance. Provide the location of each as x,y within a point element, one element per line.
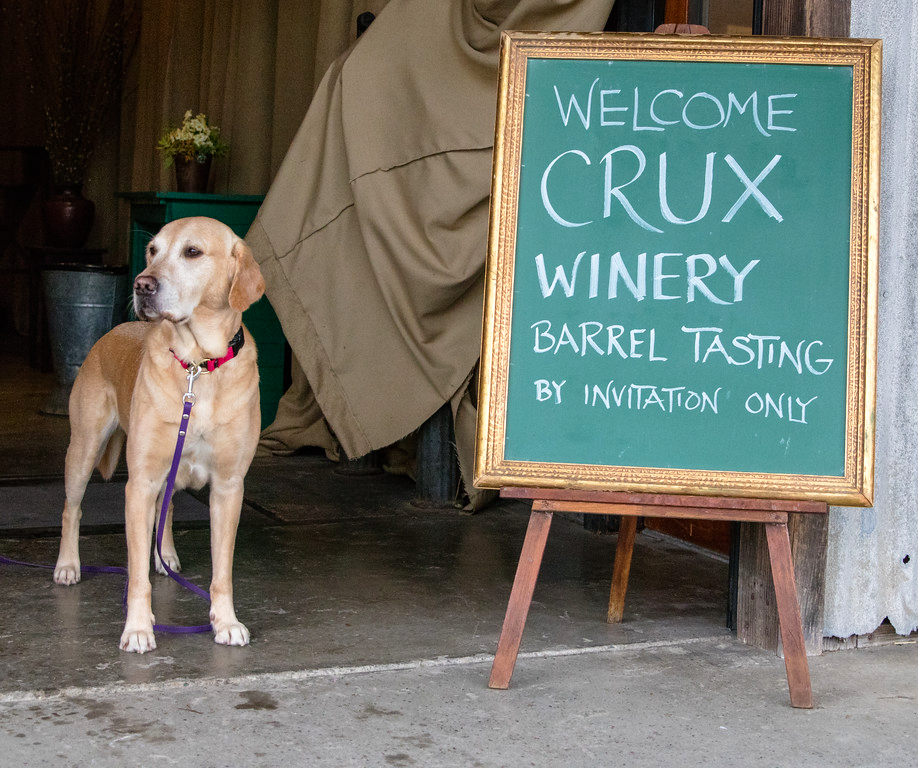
<point>83,303</point>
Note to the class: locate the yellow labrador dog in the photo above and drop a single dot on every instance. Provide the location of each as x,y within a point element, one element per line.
<point>198,280</point>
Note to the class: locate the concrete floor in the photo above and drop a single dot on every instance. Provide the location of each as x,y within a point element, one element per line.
<point>374,623</point>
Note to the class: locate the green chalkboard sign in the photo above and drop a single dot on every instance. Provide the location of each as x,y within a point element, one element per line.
<point>681,291</point>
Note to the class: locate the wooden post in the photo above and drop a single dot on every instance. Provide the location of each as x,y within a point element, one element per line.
<point>676,12</point>
<point>437,466</point>
<point>806,18</point>
<point>756,617</point>
<point>756,611</point>
<point>676,20</point>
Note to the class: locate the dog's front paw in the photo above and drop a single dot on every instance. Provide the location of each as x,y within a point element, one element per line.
<point>67,573</point>
<point>171,559</point>
<point>138,640</point>
<point>231,633</point>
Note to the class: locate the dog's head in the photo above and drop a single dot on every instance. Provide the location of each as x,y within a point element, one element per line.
<point>196,264</point>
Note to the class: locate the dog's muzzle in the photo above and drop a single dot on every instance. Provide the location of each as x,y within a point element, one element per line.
<point>146,288</point>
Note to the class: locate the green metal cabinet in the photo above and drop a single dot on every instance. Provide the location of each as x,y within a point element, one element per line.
<point>150,210</point>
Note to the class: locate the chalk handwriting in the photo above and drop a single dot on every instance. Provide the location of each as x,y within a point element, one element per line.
<point>766,405</point>
<point>610,187</point>
<point>699,111</point>
<point>671,276</point>
<point>752,348</point>
<point>642,397</point>
<point>660,192</point>
<point>593,337</point>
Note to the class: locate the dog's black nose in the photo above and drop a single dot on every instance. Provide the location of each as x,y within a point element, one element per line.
<point>146,285</point>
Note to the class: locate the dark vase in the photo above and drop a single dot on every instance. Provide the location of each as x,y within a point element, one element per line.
<point>68,217</point>
<point>192,175</point>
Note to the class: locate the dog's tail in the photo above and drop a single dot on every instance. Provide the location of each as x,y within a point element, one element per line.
<point>111,454</point>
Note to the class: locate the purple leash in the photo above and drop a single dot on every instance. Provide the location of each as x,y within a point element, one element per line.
<point>188,399</point>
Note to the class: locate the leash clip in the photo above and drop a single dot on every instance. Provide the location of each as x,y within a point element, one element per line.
<point>194,370</point>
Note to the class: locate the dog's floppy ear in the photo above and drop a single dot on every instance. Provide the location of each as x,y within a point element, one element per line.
<point>248,284</point>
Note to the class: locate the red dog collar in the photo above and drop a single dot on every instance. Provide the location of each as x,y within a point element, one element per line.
<point>211,364</point>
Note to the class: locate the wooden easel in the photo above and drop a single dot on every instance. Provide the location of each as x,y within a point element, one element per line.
<point>773,514</point>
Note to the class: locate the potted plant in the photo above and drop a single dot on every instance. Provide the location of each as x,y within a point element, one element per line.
<point>78,51</point>
<point>191,148</point>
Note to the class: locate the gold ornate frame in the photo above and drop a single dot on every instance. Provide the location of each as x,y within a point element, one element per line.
<point>855,487</point>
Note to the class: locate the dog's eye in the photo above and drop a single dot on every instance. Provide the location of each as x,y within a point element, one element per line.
<point>191,252</point>
<point>151,250</point>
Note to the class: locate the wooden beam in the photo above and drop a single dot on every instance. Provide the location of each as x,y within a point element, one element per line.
<point>664,500</point>
<point>756,609</point>
<point>756,613</point>
<point>807,18</point>
<point>676,12</point>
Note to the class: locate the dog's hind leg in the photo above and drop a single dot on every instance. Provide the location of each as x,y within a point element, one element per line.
<point>95,438</point>
<point>168,542</point>
<point>79,467</point>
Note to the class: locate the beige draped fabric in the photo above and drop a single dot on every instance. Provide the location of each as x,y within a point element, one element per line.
<point>373,236</point>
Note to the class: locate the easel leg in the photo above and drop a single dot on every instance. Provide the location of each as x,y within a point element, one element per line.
<point>627,528</point>
<point>782,570</point>
<point>520,598</point>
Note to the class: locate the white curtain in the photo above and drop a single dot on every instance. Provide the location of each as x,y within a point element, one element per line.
<point>872,567</point>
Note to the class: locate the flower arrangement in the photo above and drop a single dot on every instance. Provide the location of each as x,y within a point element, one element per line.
<point>78,51</point>
<point>194,139</point>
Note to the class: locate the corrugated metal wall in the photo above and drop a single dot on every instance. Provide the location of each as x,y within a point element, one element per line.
<point>872,567</point>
